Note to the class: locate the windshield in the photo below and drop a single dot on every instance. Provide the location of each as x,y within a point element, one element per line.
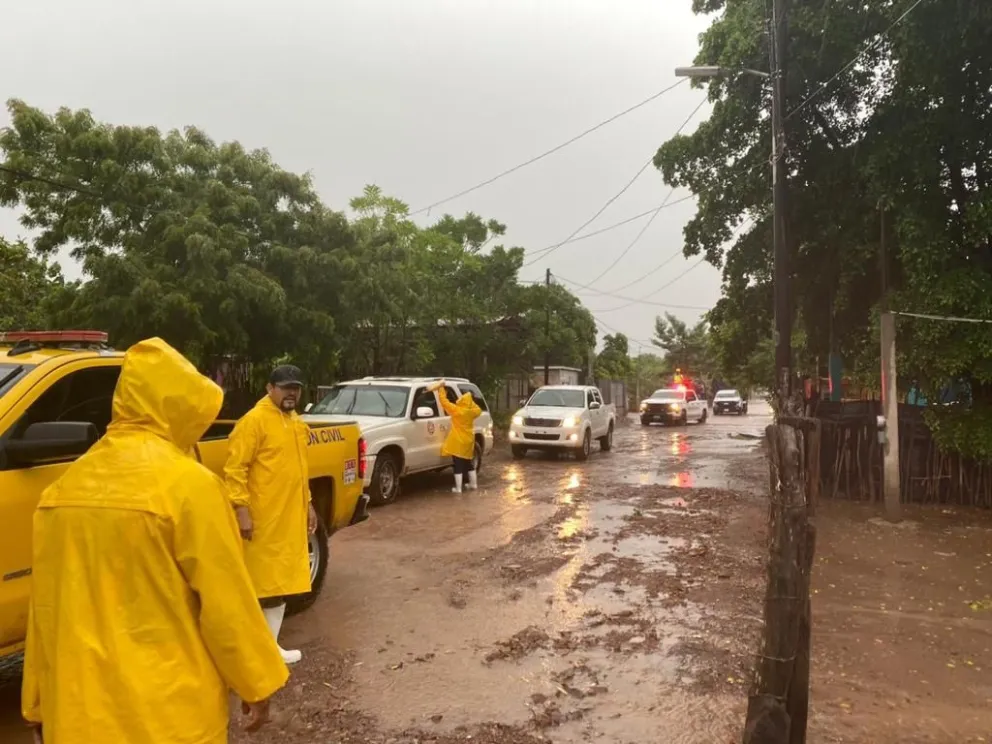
<point>10,374</point>
<point>728,394</point>
<point>558,398</point>
<point>667,395</point>
<point>364,400</point>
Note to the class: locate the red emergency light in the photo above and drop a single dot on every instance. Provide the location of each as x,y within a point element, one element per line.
<point>55,337</point>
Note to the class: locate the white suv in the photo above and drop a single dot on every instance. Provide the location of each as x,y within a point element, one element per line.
<point>403,425</point>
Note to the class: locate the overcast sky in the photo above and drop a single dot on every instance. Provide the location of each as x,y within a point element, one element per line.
<point>421,97</point>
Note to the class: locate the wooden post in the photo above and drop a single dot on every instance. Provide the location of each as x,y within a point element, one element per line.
<point>779,702</point>
<point>890,409</point>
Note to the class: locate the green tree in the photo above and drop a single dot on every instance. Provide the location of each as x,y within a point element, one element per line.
<point>29,286</point>
<point>613,362</point>
<point>685,347</point>
<point>905,128</point>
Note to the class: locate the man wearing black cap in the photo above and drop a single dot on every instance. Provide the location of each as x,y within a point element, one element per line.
<point>268,484</point>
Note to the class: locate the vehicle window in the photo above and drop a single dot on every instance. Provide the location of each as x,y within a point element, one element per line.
<point>477,396</point>
<point>667,395</point>
<point>388,401</point>
<point>596,396</point>
<point>451,393</point>
<point>690,396</point>
<point>85,395</point>
<point>557,398</point>
<point>11,373</point>
<point>727,394</point>
<point>590,398</point>
<point>427,399</point>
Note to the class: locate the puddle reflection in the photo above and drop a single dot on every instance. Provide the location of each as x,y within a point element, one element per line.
<point>680,446</point>
<point>682,480</point>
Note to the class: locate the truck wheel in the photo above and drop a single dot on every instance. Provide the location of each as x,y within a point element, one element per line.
<point>320,554</point>
<point>477,457</point>
<point>583,453</point>
<point>684,421</point>
<point>645,421</point>
<point>606,443</point>
<point>385,484</point>
<point>519,452</point>
<point>702,419</point>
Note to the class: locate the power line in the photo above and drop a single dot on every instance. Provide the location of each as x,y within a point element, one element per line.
<point>627,221</point>
<point>643,301</point>
<point>545,154</point>
<point>644,229</point>
<point>949,318</point>
<point>545,252</point>
<point>854,61</point>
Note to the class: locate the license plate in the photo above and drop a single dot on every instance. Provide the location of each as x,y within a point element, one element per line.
<point>350,471</point>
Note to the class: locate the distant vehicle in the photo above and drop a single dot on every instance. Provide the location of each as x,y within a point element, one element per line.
<point>563,417</point>
<point>403,425</point>
<point>675,405</point>
<point>729,401</point>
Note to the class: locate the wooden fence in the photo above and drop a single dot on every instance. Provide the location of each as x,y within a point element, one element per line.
<point>852,459</point>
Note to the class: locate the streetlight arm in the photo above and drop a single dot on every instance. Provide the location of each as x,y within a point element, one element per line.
<point>713,71</point>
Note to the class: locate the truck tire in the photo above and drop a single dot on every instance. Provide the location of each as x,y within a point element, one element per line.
<point>385,484</point>
<point>702,419</point>
<point>645,421</point>
<point>582,454</point>
<point>319,551</point>
<point>518,451</point>
<point>684,421</point>
<point>477,457</point>
<point>606,443</point>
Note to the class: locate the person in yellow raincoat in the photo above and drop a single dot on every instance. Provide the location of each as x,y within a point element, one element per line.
<point>268,485</point>
<point>142,614</point>
<point>459,444</point>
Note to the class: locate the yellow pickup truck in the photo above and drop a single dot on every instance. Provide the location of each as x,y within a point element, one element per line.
<point>55,402</point>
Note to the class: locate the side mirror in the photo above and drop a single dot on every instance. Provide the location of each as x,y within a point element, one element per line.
<point>594,405</point>
<point>50,441</point>
<point>307,408</point>
<point>424,412</point>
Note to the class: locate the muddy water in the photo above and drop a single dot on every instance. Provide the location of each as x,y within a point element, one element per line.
<point>429,583</point>
<point>552,599</point>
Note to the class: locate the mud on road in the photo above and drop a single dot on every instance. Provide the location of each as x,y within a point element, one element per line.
<point>613,600</point>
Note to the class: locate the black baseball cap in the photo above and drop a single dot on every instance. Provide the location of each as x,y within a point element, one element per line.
<point>286,375</point>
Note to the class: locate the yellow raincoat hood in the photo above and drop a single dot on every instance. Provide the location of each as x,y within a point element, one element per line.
<point>142,613</point>
<point>460,441</point>
<point>161,392</point>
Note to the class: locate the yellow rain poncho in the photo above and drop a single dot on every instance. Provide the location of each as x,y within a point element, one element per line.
<point>460,441</point>
<point>142,613</point>
<point>267,471</point>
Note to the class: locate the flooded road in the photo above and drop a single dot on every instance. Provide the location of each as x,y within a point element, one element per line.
<point>618,600</point>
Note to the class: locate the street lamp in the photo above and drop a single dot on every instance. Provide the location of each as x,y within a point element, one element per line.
<point>783,317</point>
<point>711,71</point>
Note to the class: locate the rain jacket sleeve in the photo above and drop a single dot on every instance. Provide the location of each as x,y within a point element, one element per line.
<point>243,445</point>
<point>30,689</point>
<point>233,628</point>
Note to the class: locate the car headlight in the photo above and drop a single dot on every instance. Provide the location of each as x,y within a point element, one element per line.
<point>675,407</point>
<point>518,420</point>
<point>569,422</point>
<point>644,406</point>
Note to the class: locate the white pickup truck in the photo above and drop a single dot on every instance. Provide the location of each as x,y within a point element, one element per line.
<point>675,405</point>
<point>563,417</point>
<point>403,425</point>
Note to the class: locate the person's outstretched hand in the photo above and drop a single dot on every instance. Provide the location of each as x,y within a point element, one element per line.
<point>245,525</point>
<point>258,714</point>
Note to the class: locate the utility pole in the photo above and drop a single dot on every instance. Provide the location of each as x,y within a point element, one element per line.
<point>783,310</point>
<point>891,487</point>
<point>547,330</point>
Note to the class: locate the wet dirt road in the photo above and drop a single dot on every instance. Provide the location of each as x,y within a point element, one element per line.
<point>565,601</point>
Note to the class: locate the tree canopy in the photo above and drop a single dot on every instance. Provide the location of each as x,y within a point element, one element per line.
<point>229,257</point>
<point>903,131</point>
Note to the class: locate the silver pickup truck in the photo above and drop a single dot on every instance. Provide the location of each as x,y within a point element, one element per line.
<point>564,418</point>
